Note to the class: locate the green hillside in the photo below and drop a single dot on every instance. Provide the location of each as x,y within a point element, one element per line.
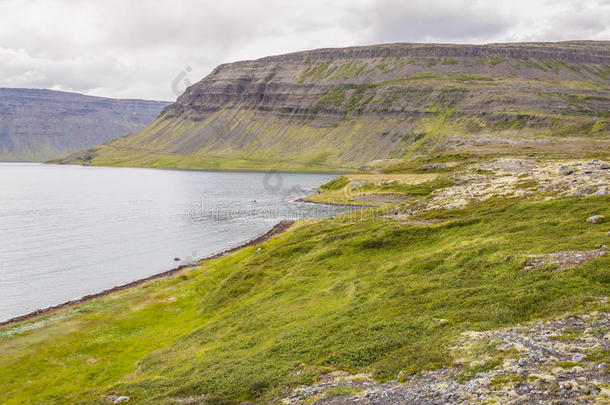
<point>374,293</point>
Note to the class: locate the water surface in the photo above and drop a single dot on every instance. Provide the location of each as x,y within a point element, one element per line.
<point>68,231</point>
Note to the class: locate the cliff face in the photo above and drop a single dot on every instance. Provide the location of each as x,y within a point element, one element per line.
<point>38,125</point>
<point>339,108</point>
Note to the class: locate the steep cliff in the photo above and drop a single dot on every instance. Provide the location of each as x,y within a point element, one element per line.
<point>335,109</point>
<point>39,125</point>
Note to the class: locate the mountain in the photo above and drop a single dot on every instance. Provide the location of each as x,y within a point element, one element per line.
<point>37,125</point>
<point>337,109</point>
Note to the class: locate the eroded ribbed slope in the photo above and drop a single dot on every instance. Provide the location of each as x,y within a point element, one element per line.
<point>39,125</point>
<point>339,108</point>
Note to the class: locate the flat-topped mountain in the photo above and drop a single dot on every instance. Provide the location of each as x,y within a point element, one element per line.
<point>336,109</point>
<point>38,125</point>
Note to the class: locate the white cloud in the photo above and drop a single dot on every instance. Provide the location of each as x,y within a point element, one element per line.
<point>137,48</point>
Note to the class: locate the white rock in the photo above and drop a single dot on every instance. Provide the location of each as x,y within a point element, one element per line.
<point>578,357</point>
<point>595,219</point>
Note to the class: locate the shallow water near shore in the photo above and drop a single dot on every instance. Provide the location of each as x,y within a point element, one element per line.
<point>69,231</point>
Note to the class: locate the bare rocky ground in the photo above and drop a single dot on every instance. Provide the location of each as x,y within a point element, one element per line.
<point>564,260</point>
<point>520,177</point>
<point>560,361</point>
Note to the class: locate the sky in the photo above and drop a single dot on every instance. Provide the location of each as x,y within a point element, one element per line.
<point>153,48</point>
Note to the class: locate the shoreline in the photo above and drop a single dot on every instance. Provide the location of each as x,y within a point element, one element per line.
<point>339,171</point>
<point>277,229</point>
<point>332,204</point>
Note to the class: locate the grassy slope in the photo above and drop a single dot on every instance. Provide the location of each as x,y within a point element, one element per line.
<point>361,294</point>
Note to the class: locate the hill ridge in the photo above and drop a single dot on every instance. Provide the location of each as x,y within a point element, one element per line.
<point>344,107</point>
<point>43,124</point>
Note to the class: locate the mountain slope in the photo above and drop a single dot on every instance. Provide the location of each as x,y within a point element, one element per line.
<point>335,109</point>
<point>37,125</point>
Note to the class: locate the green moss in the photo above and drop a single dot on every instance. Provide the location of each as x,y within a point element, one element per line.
<point>568,364</point>
<point>342,391</point>
<point>337,183</point>
<point>321,158</point>
<point>506,379</point>
<point>421,189</point>
<point>314,73</point>
<point>495,60</point>
<point>601,71</point>
<point>600,355</point>
<point>332,97</point>
<point>464,77</point>
<point>527,184</point>
<point>534,65</point>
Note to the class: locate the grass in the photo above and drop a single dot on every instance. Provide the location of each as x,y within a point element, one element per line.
<point>343,391</point>
<point>346,189</point>
<point>361,295</point>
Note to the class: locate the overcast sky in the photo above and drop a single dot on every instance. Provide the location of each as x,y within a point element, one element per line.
<point>136,49</point>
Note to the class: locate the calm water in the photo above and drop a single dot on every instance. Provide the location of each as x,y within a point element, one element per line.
<point>68,231</point>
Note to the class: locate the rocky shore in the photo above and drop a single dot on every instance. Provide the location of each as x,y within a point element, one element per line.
<point>278,228</point>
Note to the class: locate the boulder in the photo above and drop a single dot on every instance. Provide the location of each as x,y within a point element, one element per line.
<point>596,219</point>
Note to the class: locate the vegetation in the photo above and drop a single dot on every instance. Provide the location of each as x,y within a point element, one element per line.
<point>357,293</point>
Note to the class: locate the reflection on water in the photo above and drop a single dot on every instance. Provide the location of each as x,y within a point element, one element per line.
<point>68,231</point>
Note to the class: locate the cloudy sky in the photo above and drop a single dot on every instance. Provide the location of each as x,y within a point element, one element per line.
<point>137,49</point>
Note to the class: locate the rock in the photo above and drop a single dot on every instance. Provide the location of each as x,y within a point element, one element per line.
<point>604,166</point>
<point>565,170</point>
<point>578,357</point>
<point>505,346</point>
<point>596,219</point>
<point>533,378</point>
<point>600,192</point>
<point>433,166</point>
<point>544,378</point>
<point>117,399</point>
